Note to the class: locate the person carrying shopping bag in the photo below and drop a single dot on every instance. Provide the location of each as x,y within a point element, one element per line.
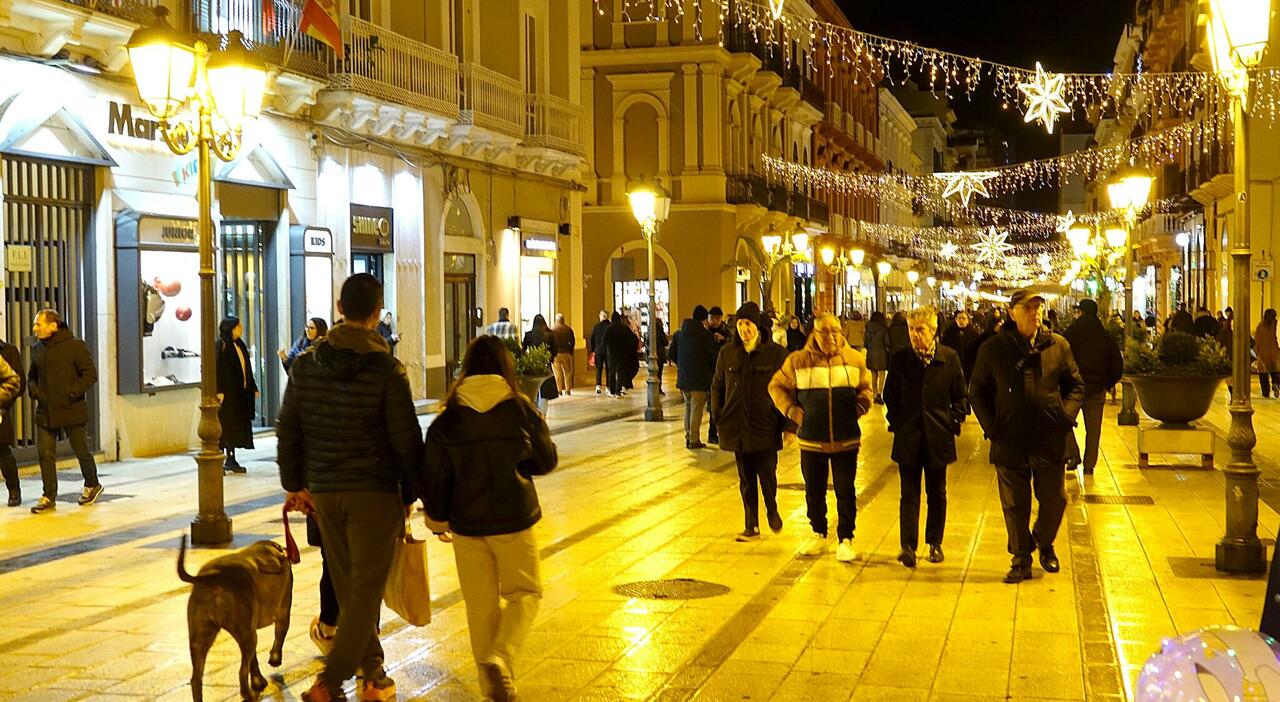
<point>482,453</point>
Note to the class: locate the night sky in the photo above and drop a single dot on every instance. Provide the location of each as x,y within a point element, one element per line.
<point>1064,35</point>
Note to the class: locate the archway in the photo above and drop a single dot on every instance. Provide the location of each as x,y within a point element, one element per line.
<point>664,269</point>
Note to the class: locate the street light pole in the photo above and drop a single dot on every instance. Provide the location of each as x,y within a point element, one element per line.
<point>1128,416</point>
<point>653,410</point>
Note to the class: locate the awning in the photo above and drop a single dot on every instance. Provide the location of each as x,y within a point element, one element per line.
<point>171,205</point>
<point>30,130</point>
<point>254,167</point>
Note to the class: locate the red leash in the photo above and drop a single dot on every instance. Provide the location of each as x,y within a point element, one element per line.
<point>290,546</point>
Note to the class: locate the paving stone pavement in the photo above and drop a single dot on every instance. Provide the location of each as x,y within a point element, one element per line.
<point>94,610</point>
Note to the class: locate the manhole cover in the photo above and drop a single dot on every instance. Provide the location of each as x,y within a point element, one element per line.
<point>672,589</point>
<point>1118,499</point>
<point>791,486</point>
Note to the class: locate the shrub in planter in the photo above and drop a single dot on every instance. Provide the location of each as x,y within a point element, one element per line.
<point>1177,379</point>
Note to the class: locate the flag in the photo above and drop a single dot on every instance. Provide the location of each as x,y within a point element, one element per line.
<point>320,20</point>
<point>269,17</point>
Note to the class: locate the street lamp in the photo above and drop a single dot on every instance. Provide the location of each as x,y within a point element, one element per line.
<point>778,249</point>
<point>651,204</point>
<point>1128,191</point>
<point>1238,32</point>
<point>222,90</point>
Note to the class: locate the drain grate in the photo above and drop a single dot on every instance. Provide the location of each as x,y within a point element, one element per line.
<point>791,486</point>
<point>672,589</point>
<point>1118,499</point>
<point>72,498</point>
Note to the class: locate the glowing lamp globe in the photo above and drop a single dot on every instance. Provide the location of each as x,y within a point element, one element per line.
<point>1116,238</point>
<point>800,241</point>
<point>828,255</point>
<point>1246,27</point>
<point>884,267</point>
<point>1130,189</point>
<point>1182,239</point>
<point>912,277</point>
<point>237,81</point>
<point>163,67</point>
<point>1217,664</point>
<point>1079,238</point>
<point>857,256</point>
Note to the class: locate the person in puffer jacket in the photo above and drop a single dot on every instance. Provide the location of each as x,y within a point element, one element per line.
<point>824,388</point>
<point>482,453</point>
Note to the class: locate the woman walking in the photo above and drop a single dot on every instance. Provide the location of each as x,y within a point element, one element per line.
<point>796,337</point>
<point>237,392</point>
<point>1268,350</point>
<point>540,335</point>
<point>316,330</point>
<point>482,453</point>
<point>877,350</point>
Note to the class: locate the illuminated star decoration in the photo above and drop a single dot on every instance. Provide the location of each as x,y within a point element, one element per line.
<point>1045,261</point>
<point>948,250</point>
<point>966,184</point>
<point>775,9</point>
<point>1044,98</point>
<point>993,247</point>
<point>1066,222</point>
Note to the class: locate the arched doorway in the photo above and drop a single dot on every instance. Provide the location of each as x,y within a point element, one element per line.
<point>463,267</point>
<point>626,277</point>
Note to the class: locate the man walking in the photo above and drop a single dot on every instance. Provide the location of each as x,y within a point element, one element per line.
<point>693,349</point>
<point>562,364</point>
<point>824,388</point>
<point>350,451</point>
<point>12,356</point>
<point>620,344</point>
<point>61,374</point>
<point>503,328</point>
<point>1098,356</point>
<point>1026,392</point>
<point>598,348</point>
<point>750,426</point>
<point>962,337</point>
<point>720,332</point>
<point>924,400</point>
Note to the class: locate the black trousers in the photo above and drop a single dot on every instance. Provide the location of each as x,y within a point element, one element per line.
<point>9,468</point>
<point>328,597</point>
<point>46,450</point>
<point>1267,380</point>
<point>760,467</point>
<point>600,364</point>
<point>616,373</point>
<point>844,470</point>
<point>935,485</point>
<point>1095,400</point>
<point>1017,483</point>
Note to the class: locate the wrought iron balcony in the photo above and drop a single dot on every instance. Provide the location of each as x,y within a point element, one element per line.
<point>140,11</point>
<point>270,28</point>
<point>393,67</point>
<point>553,123</point>
<point>492,100</point>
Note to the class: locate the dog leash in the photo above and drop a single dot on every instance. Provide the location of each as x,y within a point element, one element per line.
<point>290,546</point>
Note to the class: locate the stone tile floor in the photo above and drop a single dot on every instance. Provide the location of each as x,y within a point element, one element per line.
<point>94,610</point>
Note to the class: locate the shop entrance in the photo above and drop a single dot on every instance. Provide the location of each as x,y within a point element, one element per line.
<point>371,263</point>
<point>47,215</point>
<point>459,308</point>
<point>245,296</point>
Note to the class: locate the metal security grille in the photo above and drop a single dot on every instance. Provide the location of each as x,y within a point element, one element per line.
<point>47,212</point>
<point>672,589</point>
<point>244,246</point>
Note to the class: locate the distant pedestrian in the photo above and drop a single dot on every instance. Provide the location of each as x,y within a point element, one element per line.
<point>598,350</point>
<point>562,364</point>
<point>750,426</point>
<point>824,389</point>
<point>237,393</point>
<point>620,347</point>
<point>694,350</point>
<point>482,453</point>
<point>1205,326</point>
<point>350,452</point>
<point>962,337</point>
<point>924,401</point>
<point>855,330</point>
<point>503,328</point>
<point>540,336</point>
<point>315,330</point>
<point>1182,321</point>
<point>1268,351</point>
<point>61,374</point>
<point>722,335</point>
<point>12,356</point>
<point>877,352</point>
<point>1026,392</point>
<point>899,338</point>
<point>388,332</point>
<point>796,337</point>
<point>664,343</point>
<point>1101,364</point>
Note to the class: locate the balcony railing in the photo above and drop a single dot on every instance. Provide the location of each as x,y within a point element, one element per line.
<point>751,189</point>
<point>492,100</point>
<point>393,67</point>
<point>271,31</point>
<point>140,11</point>
<point>553,123</point>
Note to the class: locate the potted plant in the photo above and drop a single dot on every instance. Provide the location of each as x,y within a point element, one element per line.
<point>533,367</point>
<point>1177,378</point>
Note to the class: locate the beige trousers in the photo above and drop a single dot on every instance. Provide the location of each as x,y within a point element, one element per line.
<point>493,570</point>
<point>562,367</point>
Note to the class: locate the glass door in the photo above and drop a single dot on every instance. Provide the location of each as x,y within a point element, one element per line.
<point>459,308</point>
<point>244,297</point>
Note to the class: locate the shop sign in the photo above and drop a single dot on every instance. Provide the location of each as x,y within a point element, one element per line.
<point>1264,270</point>
<point>317,241</point>
<point>186,171</point>
<point>171,232</point>
<point>371,228</point>
<point>120,120</point>
<point>539,245</point>
<point>18,258</point>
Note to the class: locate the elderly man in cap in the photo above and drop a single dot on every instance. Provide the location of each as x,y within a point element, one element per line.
<point>1026,392</point>
<point>1101,365</point>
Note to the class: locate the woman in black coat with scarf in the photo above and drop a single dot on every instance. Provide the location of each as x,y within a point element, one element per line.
<point>237,392</point>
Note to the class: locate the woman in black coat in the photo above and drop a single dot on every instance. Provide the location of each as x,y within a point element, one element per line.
<point>620,344</point>
<point>540,335</point>
<point>237,392</point>
<point>796,337</point>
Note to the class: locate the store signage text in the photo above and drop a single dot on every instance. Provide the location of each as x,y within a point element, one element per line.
<point>540,246</point>
<point>121,121</point>
<point>371,228</point>
<point>317,241</point>
<point>168,231</point>
<point>19,258</point>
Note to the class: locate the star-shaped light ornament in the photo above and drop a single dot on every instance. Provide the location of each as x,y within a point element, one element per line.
<point>1045,261</point>
<point>775,9</point>
<point>993,247</point>
<point>948,250</point>
<point>966,184</point>
<point>1066,222</point>
<point>1044,98</point>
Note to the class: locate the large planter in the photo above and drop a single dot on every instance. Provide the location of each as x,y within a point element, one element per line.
<point>530,385</point>
<point>1175,401</point>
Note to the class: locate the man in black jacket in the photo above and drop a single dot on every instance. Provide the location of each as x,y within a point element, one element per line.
<point>721,333</point>
<point>693,349</point>
<point>62,371</point>
<point>620,344</point>
<point>962,337</point>
<point>597,348</point>
<point>1101,365</point>
<point>350,451</point>
<point>924,400</point>
<point>1026,392</point>
<point>750,425</point>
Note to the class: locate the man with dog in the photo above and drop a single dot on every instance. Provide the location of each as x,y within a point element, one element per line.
<point>350,452</point>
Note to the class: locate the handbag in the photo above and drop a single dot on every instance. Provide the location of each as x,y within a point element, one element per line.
<point>408,592</point>
<point>591,359</point>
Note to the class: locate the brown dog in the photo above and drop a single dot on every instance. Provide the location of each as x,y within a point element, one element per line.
<point>240,592</point>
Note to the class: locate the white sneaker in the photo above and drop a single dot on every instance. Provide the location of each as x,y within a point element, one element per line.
<point>815,545</point>
<point>845,552</point>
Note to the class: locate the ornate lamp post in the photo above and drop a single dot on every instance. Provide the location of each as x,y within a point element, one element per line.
<point>1129,191</point>
<point>837,263</point>
<point>778,249</point>
<point>884,268</point>
<point>651,204</point>
<point>221,90</point>
<point>1238,33</point>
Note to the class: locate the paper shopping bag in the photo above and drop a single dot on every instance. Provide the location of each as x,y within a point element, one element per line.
<point>408,593</point>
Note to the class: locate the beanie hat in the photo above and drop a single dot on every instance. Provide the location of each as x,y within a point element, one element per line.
<point>699,314</point>
<point>749,311</point>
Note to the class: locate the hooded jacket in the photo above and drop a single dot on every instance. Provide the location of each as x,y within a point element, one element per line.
<point>481,455</point>
<point>347,423</point>
<point>824,395</point>
<point>62,371</point>
<point>745,416</point>
<point>1095,351</point>
<point>693,349</point>
<point>1026,395</point>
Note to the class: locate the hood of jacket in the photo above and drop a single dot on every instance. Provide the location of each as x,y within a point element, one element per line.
<point>59,336</point>
<point>347,348</point>
<point>691,326</point>
<point>483,392</point>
